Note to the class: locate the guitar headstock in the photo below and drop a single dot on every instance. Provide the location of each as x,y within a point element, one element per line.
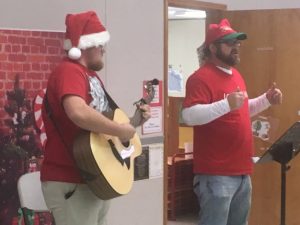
<point>138,118</point>
<point>150,90</point>
<point>149,87</point>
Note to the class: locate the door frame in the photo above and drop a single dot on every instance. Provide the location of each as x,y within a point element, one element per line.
<point>190,4</point>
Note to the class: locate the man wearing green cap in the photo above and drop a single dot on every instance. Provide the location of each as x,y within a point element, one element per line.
<point>217,105</point>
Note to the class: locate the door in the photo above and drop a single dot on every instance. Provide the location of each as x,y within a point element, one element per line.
<point>271,54</point>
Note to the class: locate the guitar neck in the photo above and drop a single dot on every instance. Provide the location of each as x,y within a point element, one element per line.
<point>138,118</point>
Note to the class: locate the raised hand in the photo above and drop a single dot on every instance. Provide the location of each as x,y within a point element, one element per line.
<point>146,112</point>
<point>236,99</point>
<point>274,95</point>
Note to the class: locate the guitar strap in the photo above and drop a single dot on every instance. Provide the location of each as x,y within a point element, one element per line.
<point>111,102</point>
<point>86,175</point>
<point>50,116</point>
<point>49,111</point>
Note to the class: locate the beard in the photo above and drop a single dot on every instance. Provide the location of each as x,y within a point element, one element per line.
<point>95,66</point>
<point>231,60</point>
<point>94,60</point>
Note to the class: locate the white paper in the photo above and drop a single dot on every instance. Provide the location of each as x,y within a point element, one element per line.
<point>156,158</point>
<point>156,94</point>
<point>154,124</point>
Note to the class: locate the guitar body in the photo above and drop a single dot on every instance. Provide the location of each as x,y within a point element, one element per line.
<point>105,163</point>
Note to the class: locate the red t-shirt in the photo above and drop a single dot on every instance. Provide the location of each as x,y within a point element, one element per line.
<point>223,146</point>
<point>69,78</point>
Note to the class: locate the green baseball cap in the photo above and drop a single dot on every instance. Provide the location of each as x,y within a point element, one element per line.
<point>237,35</point>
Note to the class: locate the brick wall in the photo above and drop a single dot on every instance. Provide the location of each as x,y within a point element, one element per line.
<point>32,55</point>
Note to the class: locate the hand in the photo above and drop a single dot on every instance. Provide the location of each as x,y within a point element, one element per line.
<point>274,95</point>
<point>236,99</point>
<point>127,132</point>
<point>145,109</point>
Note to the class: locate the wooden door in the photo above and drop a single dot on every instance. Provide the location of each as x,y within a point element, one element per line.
<point>172,137</point>
<point>272,53</point>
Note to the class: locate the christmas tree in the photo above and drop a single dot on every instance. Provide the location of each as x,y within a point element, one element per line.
<point>17,147</point>
<point>21,123</point>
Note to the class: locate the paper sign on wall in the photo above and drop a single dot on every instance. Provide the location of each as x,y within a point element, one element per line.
<point>157,99</point>
<point>156,157</point>
<point>154,124</point>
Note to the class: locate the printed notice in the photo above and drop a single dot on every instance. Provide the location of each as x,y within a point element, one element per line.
<point>154,124</point>
<point>156,160</point>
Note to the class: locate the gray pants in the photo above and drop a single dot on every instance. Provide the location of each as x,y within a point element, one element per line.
<point>82,207</point>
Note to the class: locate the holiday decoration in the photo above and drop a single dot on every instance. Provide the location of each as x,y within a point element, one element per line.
<point>19,153</point>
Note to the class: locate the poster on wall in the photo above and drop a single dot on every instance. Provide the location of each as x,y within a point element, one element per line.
<point>26,60</point>
<point>141,165</point>
<point>265,128</point>
<point>156,159</point>
<point>157,98</point>
<point>154,124</point>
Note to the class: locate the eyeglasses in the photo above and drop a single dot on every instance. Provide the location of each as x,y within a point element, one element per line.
<point>230,42</point>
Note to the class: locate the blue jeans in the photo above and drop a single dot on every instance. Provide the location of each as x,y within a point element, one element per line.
<point>223,200</point>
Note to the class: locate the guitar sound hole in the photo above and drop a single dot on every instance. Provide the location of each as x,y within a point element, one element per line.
<point>125,144</point>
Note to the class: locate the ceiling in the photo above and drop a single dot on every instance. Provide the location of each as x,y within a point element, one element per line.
<point>183,13</point>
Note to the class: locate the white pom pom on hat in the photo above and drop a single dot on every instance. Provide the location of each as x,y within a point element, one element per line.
<point>83,30</point>
<point>74,53</point>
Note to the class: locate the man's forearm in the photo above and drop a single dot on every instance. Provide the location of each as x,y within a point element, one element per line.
<point>204,113</point>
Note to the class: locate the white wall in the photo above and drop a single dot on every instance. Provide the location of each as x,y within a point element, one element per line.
<point>142,206</point>
<point>185,36</point>
<point>134,54</point>
<point>258,4</point>
<point>43,14</point>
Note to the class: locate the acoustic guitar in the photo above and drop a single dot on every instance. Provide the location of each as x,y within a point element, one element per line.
<point>105,163</point>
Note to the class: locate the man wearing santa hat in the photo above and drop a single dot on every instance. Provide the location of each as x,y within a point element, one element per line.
<point>217,106</point>
<point>76,101</point>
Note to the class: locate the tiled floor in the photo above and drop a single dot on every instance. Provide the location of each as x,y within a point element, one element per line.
<point>187,219</point>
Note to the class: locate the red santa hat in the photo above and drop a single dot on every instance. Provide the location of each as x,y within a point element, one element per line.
<point>83,30</point>
<point>222,31</point>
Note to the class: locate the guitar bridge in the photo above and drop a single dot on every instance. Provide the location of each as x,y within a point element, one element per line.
<point>117,155</point>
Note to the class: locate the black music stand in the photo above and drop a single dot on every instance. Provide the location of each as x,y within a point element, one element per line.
<point>283,151</point>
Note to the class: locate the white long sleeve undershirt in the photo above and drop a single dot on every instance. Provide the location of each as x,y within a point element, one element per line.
<point>204,113</point>
<point>258,104</point>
